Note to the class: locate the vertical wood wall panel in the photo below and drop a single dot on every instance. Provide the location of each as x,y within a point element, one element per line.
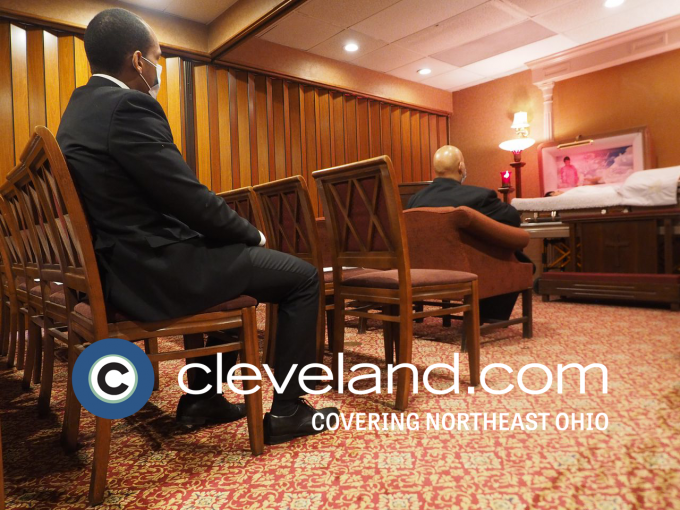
<point>36,79</point>
<point>225,129</point>
<point>202,126</point>
<point>19,90</point>
<point>172,76</point>
<point>51,56</point>
<point>6,118</point>
<point>82,65</point>
<point>67,70</point>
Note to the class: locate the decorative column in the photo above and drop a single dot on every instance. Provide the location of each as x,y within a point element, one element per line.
<point>547,89</point>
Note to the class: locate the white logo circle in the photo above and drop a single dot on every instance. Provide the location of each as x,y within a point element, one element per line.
<point>114,378</point>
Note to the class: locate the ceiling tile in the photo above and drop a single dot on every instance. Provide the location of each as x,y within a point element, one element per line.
<point>335,46</point>
<point>582,12</point>
<point>517,58</point>
<point>410,71</point>
<point>203,11</point>
<point>344,13</point>
<point>460,29</point>
<point>453,79</point>
<point>387,58</point>
<point>410,16</point>
<point>499,42</point>
<point>534,7</point>
<point>625,20</point>
<point>300,31</point>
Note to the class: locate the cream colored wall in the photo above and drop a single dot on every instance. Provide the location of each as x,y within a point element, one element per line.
<point>482,116</point>
<point>640,93</point>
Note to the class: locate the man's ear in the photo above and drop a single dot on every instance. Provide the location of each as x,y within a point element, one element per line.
<point>136,61</point>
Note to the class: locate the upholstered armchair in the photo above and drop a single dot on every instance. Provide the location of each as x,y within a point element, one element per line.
<point>463,239</point>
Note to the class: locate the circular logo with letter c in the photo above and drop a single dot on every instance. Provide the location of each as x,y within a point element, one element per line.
<point>113,378</point>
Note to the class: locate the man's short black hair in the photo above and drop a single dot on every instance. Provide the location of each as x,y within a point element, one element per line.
<point>112,36</point>
<point>566,158</point>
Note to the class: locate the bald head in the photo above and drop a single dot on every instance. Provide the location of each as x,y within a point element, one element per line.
<point>449,163</point>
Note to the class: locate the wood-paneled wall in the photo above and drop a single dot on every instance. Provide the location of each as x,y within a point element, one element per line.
<point>38,72</point>
<point>253,128</point>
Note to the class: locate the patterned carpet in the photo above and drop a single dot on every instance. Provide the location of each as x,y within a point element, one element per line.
<point>634,464</point>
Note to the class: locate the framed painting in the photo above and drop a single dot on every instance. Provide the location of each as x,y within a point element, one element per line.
<point>593,160</point>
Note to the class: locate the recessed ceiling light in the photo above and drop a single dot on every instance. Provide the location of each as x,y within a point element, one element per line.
<point>351,47</point>
<point>424,70</point>
<point>613,3</point>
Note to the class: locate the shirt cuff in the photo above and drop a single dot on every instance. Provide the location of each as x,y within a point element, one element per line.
<point>263,239</point>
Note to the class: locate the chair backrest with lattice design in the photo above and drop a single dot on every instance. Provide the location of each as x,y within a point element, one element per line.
<point>289,219</point>
<point>16,227</point>
<point>70,232</point>
<point>245,203</point>
<point>363,215</point>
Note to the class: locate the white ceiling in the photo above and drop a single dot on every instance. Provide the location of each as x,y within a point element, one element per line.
<point>203,11</point>
<point>463,42</point>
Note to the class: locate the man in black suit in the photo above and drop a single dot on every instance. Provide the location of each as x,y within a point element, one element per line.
<point>166,245</point>
<point>447,190</point>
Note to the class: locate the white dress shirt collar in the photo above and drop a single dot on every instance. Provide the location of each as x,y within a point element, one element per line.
<point>114,80</point>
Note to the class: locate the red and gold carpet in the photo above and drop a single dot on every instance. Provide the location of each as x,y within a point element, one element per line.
<point>634,464</point>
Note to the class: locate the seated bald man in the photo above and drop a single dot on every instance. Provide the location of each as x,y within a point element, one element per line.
<point>447,190</point>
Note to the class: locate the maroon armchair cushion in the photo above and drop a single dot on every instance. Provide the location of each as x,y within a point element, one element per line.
<point>462,239</point>
<point>419,278</point>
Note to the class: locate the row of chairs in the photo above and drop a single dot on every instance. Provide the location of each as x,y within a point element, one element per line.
<point>52,292</point>
<point>364,231</point>
<point>52,288</point>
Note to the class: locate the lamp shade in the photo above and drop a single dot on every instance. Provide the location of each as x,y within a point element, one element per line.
<point>520,121</point>
<point>517,144</point>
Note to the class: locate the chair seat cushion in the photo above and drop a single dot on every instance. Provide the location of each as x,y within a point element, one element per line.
<point>113,316</point>
<point>348,273</point>
<point>37,292</point>
<point>419,278</point>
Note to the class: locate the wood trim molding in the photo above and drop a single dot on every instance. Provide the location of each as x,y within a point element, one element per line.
<point>635,44</point>
<point>221,24</point>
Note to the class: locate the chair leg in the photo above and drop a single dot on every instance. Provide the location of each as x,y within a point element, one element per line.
<point>330,325</point>
<point>338,339</point>
<point>269,350</point>
<point>47,376</point>
<point>249,355</point>
<point>419,308</point>
<point>471,320</point>
<point>72,408</point>
<point>100,462</point>
<point>446,320</point>
<point>21,340</point>
<point>527,312</point>
<point>363,325</point>
<point>5,329</point>
<point>13,333</point>
<point>151,347</point>
<point>388,336</point>
<point>33,353</point>
<point>404,355</point>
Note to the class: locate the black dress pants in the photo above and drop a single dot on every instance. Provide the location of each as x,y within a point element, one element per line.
<point>293,284</point>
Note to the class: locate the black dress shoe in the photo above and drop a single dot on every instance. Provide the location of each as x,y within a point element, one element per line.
<point>279,429</point>
<point>192,410</point>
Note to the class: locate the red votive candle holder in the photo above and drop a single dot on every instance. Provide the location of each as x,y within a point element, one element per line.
<point>505,178</point>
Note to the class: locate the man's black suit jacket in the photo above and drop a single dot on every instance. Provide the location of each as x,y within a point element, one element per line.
<point>445,192</point>
<point>166,245</point>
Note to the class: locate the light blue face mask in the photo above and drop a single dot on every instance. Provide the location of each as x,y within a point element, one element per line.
<point>153,91</point>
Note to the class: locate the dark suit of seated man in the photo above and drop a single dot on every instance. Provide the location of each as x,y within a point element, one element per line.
<point>447,190</point>
<point>167,246</point>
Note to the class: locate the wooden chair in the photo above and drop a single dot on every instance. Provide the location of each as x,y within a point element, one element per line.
<point>24,271</point>
<point>9,307</point>
<point>290,228</point>
<point>2,480</point>
<point>90,321</point>
<point>46,298</point>
<point>367,229</point>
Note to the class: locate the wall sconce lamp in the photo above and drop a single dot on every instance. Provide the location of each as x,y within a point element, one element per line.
<point>521,142</point>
